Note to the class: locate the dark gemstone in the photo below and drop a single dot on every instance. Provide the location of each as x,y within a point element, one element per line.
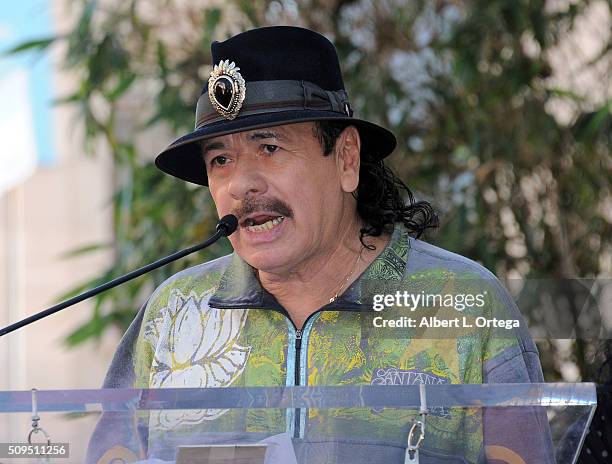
<point>224,92</point>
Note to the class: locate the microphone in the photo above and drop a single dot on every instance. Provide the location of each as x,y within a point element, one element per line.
<point>225,227</point>
<point>227,224</point>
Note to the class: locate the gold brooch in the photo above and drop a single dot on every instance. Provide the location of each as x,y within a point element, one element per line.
<point>226,89</point>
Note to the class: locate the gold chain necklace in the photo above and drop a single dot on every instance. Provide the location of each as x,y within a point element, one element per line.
<point>347,278</point>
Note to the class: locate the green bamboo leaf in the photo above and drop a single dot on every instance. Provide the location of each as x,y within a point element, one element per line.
<point>125,82</point>
<point>36,44</point>
<point>86,249</point>
<point>590,124</point>
<point>162,59</point>
<point>566,93</point>
<point>91,329</point>
<point>72,98</point>
<point>212,17</point>
<point>109,274</point>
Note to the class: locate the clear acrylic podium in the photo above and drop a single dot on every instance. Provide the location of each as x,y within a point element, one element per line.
<point>309,425</point>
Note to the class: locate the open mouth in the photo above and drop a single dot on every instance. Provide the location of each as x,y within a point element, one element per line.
<point>262,223</point>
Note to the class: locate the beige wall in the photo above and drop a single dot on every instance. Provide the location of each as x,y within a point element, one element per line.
<point>56,210</point>
<point>53,212</point>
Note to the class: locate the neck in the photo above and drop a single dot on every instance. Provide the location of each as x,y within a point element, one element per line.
<point>331,271</point>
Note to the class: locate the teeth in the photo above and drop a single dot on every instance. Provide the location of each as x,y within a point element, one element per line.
<point>268,225</point>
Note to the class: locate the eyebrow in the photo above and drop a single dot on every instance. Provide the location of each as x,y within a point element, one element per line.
<point>207,147</point>
<point>265,135</point>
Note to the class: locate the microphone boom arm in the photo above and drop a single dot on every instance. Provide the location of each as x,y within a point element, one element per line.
<point>225,227</point>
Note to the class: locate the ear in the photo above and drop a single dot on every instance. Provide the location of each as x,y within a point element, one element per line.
<point>348,149</point>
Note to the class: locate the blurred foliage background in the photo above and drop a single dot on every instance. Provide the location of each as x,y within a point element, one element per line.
<point>467,87</point>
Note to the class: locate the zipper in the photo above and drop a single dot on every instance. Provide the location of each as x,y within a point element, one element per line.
<point>299,336</point>
<point>298,353</point>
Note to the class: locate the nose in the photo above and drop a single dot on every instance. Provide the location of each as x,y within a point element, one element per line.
<point>246,180</point>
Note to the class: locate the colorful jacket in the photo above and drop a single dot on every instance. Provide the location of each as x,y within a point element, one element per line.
<point>214,325</point>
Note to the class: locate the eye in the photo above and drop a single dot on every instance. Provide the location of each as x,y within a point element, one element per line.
<point>219,161</point>
<point>269,149</point>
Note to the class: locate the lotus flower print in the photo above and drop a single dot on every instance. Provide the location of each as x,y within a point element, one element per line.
<point>195,346</point>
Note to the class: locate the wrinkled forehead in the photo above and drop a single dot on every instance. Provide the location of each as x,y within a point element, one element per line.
<point>291,133</point>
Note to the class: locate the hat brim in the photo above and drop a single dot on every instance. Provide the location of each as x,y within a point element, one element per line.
<point>183,158</point>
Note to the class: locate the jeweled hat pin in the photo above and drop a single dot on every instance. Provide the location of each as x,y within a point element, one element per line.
<point>226,89</point>
<point>267,77</point>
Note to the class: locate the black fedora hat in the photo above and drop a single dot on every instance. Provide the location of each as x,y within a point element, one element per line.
<point>268,77</point>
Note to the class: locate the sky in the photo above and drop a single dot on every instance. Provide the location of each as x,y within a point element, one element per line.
<point>25,86</point>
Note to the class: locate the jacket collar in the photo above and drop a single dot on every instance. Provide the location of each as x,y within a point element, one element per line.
<point>239,287</point>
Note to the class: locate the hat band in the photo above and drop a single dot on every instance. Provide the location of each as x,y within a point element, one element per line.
<point>275,96</point>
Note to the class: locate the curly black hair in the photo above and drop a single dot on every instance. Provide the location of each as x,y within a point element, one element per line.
<point>382,198</point>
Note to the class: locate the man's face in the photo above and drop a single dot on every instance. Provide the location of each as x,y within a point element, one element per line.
<point>290,199</point>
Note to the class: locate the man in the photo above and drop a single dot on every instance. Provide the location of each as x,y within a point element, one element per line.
<point>324,236</point>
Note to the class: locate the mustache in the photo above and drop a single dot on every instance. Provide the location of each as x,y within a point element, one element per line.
<point>252,205</point>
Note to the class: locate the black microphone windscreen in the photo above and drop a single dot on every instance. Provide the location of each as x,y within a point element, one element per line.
<point>227,224</point>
